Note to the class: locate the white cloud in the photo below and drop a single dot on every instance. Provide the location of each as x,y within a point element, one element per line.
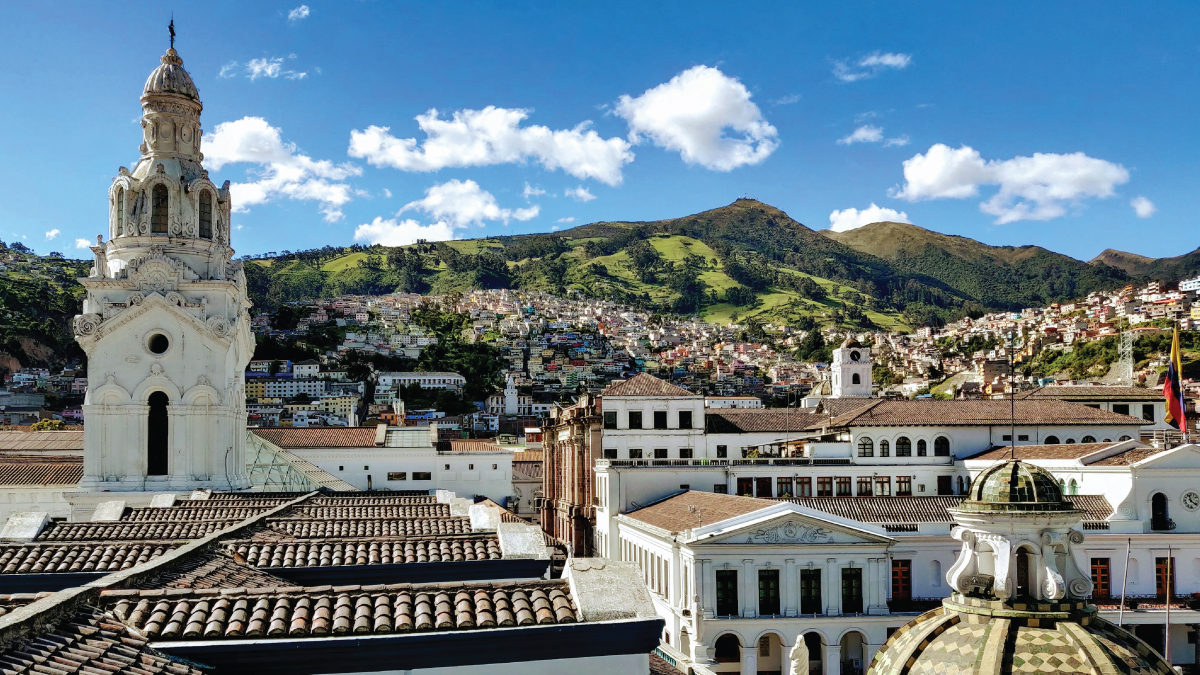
<point>293,75</point>
<point>787,100</point>
<point>1144,208</point>
<point>493,136</point>
<point>387,193</point>
<point>52,233</point>
<point>264,67</point>
<point>1031,188</point>
<point>531,191</point>
<point>395,232</point>
<point>690,114</point>
<point>463,203</point>
<point>568,219</point>
<point>865,134</point>
<point>580,193</point>
<point>228,70</point>
<point>849,219</point>
<point>82,243</point>
<point>900,140</point>
<point>870,65</point>
<point>283,172</point>
<point>299,13</point>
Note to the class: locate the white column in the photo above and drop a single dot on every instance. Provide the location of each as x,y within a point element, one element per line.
<point>790,586</point>
<point>833,660</point>
<point>885,580</point>
<point>750,660</point>
<point>832,588</point>
<point>749,597</point>
<point>706,582</point>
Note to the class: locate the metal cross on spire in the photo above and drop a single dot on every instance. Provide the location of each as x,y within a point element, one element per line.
<point>171,29</point>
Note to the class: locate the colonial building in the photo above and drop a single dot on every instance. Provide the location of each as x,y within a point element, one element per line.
<point>571,446</point>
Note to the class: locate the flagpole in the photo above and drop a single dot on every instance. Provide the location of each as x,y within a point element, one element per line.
<point>1170,583</point>
<point>1124,583</point>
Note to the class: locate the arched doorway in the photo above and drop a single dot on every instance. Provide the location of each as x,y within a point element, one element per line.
<point>1024,570</point>
<point>854,653</point>
<point>1160,515</point>
<point>816,653</point>
<point>156,435</point>
<point>728,649</point>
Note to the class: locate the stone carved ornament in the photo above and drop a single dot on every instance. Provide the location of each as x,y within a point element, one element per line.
<point>86,324</point>
<point>792,533</point>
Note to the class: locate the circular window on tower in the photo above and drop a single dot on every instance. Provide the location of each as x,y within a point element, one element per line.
<point>158,343</point>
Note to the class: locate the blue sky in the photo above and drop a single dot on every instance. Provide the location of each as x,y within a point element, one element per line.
<point>1066,125</point>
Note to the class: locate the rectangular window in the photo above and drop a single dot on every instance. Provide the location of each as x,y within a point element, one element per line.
<point>825,486</point>
<point>864,486</point>
<point>1148,412</point>
<point>635,453</point>
<point>1101,588</point>
<point>852,597</point>
<point>610,453</point>
<point>745,487</point>
<point>762,487</point>
<point>685,486</point>
<point>635,419</point>
<point>883,486</point>
<point>1161,575</point>
<point>1121,408</point>
<point>901,579</point>
<point>843,486</point>
<point>397,475</point>
<point>804,487</point>
<point>727,593</point>
<point>783,487</point>
<point>685,419</point>
<point>721,489</point>
<point>660,453</point>
<point>610,419</point>
<point>722,451</point>
<point>903,486</point>
<point>1022,437</point>
<point>685,453</point>
<point>810,592</point>
<point>422,475</point>
<point>1006,437</point>
<point>660,419</point>
<point>768,592</point>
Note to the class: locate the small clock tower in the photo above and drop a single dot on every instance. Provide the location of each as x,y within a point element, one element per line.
<point>851,370</point>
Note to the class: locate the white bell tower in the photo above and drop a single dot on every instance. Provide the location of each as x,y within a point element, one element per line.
<point>165,324</point>
<point>851,371</point>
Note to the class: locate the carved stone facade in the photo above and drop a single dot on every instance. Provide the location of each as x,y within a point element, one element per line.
<point>165,323</point>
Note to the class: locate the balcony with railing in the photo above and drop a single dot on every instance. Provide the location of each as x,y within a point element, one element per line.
<point>722,463</point>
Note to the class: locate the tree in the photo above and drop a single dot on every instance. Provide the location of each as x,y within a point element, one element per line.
<point>48,425</point>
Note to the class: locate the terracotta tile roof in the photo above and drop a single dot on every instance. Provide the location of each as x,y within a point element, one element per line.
<point>54,558</point>
<point>372,499</point>
<point>344,610</point>
<point>212,569</point>
<point>986,412</point>
<point>673,513</point>
<point>473,445</point>
<point>44,441</point>
<point>1059,451</point>
<point>318,437</point>
<point>533,470</point>
<point>90,642</point>
<point>376,527</point>
<point>1096,506</point>
<point>1092,393</point>
<point>331,552</point>
<point>1131,456</point>
<point>41,470</point>
<point>350,511</point>
<point>528,456</point>
<point>179,514</point>
<point>507,516</point>
<point>644,384</point>
<point>133,531</point>
<point>922,509</point>
<point>748,420</point>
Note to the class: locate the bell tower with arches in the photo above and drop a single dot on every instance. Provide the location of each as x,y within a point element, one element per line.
<point>165,324</point>
<point>851,371</point>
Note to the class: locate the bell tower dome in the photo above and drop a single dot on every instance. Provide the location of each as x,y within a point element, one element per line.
<point>165,324</point>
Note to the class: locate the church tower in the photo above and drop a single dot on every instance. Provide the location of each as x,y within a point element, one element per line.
<point>851,371</point>
<point>165,324</point>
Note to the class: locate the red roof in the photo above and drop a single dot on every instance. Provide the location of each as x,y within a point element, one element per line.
<point>644,384</point>
<point>319,437</point>
<point>41,470</point>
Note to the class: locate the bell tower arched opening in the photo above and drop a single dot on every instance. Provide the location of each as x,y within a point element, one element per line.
<point>158,209</point>
<point>157,428</point>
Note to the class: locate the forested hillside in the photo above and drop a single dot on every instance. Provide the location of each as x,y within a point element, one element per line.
<point>1178,267</point>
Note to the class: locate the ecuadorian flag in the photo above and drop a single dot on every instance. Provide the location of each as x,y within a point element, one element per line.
<point>1172,391</point>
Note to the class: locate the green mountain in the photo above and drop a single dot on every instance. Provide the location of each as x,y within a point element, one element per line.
<point>39,296</point>
<point>1184,266</point>
<point>1000,277</point>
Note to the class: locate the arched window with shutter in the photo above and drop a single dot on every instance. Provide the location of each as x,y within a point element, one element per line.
<point>205,214</point>
<point>865,447</point>
<point>158,209</point>
<point>120,211</point>
<point>922,448</point>
<point>884,449</point>
<point>941,446</point>
<point>903,447</point>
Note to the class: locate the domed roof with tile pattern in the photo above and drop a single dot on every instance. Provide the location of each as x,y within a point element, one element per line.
<point>1015,486</point>
<point>171,78</point>
<point>964,637</point>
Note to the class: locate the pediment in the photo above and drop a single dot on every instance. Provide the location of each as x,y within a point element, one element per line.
<point>792,527</point>
<point>215,329</point>
<point>1184,457</point>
